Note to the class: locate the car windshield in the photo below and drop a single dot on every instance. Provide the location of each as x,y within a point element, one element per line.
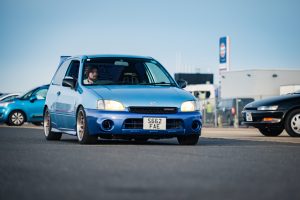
<point>122,71</point>
<point>27,95</point>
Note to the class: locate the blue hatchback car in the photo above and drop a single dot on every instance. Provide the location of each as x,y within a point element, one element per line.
<point>26,108</point>
<point>122,97</point>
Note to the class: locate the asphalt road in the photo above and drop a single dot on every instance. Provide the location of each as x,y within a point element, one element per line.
<point>216,168</point>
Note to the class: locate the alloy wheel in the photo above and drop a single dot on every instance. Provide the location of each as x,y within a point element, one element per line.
<point>47,123</point>
<point>80,125</point>
<point>295,123</point>
<point>17,118</point>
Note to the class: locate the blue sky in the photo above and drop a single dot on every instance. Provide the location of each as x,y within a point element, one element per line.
<point>34,33</point>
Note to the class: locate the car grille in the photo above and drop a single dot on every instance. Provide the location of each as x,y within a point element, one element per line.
<point>138,124</point>
<point>153,110</point>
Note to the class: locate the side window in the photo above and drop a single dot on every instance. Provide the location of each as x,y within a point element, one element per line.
<point>157,73</point>
<point>73,70</point>
<point>41,93</point>
<point>59,75</point>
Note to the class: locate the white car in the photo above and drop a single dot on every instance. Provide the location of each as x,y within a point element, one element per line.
<point>8,97</point>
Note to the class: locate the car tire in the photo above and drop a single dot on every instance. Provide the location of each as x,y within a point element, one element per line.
<point>271,132</point>
<point>16,118</point>
<point>188,139</point>
<point>292,123</point>
<point>82,130</point>
<point>49,135</point>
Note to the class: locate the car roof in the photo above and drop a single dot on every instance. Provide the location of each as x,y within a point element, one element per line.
<point>9,94</point>
<point>2,94</point>
<point>111,56</point>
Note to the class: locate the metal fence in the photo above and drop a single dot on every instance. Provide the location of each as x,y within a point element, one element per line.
<point>216,115</point>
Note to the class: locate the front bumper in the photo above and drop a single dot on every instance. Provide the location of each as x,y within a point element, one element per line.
<point>264,118</point>
<point>128,124</point>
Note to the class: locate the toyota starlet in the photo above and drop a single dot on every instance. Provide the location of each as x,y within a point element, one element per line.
<point>122,97</point>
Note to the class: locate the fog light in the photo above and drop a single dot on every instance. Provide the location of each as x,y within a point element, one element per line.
<point>196,125</point>
<point>107,125</point>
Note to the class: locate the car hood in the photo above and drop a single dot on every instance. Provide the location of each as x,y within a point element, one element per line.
<point>8,103</point>
<point>144,95</point>
<point>279,100</point>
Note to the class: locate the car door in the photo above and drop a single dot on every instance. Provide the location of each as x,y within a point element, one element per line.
<point>53,94</point>
<point>35,104</point>
<point>68,98</point>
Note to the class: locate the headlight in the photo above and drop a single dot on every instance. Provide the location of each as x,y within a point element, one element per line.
<point>110,105</point>
<point>267,108</point>
<point>4,104</point>
<point>190,106</point>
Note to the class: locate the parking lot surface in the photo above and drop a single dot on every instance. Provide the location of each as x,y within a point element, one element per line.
<point>225,164</point>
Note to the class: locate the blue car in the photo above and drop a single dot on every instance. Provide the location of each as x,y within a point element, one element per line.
<point>122,97</point>
<point>26,108</point>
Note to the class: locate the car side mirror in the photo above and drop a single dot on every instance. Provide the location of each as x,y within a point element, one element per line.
<point>182,83</point>
<point>69,82</point>
<point>32,99</point>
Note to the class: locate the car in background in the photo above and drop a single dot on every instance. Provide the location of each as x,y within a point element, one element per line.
<point>26,108</point>
<point>119,97</point>
<point>228,108</point>
<point>8,97</point>
<point>272,115</point>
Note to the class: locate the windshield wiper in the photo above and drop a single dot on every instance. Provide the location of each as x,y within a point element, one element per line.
<point>111,84</point>
<point>160,83</point>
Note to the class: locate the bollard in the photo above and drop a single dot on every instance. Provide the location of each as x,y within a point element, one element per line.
<point>220,121</point>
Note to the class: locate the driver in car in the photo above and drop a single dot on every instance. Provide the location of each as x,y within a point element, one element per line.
<point>92,75</point>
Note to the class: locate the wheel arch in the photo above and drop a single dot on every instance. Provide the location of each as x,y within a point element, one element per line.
<point>45,106</point>
<point>77,109</point>
<point>289,111</point>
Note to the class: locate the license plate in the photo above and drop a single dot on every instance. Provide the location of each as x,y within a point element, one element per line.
<point>153,123</point>
<point>249,117</point>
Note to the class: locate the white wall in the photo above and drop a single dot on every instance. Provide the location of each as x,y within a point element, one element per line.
<point>289,89</point>
<point>257,84</point>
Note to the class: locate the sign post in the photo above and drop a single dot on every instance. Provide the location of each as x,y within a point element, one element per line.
<point>224,54</point>
<point>224,64</point>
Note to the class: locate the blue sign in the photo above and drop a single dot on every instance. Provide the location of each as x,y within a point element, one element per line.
<point>223,50</point>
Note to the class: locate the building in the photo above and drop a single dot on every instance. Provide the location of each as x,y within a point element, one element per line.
<point>257,83</point>
<point>285,89</point>
<point>195,78</point>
